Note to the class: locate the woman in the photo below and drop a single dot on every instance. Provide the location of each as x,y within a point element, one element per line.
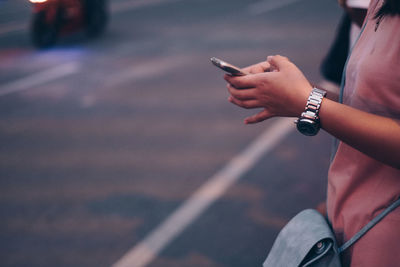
<point>364,176</point>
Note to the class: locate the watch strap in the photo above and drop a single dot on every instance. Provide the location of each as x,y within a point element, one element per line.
<point>309,123</point>
<point>313,104</point>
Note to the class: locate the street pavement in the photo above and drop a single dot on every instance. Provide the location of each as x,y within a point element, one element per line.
<point>101,141</point>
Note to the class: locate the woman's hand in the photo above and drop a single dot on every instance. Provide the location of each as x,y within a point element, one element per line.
<point>282,91</point>
<point>258,68</point>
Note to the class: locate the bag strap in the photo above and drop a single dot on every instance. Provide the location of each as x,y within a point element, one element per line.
<point>369,225</point>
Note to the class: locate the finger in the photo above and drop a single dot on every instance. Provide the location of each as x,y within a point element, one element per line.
<point>242,94</point>
<point>278,62</point>
<point>241,82</point>
<point>257,68</point>
<point>247,104</point>
<point>259,117</point>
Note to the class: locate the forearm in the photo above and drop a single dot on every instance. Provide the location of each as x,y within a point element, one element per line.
<point>284,93</point>
<point>375,136</point>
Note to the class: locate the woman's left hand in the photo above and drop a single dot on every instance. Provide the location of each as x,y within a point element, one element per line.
<point>281,92</point>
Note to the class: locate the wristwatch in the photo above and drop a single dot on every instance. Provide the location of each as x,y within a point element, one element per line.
<point>309,122</point>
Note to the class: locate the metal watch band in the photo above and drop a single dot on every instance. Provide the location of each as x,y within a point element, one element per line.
<point>313,104</point>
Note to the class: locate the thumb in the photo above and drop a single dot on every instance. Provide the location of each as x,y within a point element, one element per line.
<point>278,62</point>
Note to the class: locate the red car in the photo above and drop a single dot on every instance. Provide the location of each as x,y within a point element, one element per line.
<point>52,18</point>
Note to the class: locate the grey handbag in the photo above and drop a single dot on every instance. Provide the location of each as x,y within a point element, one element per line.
<point>308,241</point>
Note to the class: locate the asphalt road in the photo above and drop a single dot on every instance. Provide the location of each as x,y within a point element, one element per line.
<point>102,140</point>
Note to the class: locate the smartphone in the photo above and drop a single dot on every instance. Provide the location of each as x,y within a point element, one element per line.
<point>229,68</point>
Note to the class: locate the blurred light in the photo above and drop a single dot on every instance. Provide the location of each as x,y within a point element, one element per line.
<point>38,1</point>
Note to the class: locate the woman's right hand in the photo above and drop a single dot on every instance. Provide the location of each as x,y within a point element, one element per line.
<point>275,85</point>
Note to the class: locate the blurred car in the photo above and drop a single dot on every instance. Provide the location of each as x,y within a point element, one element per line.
<point>53,18</point>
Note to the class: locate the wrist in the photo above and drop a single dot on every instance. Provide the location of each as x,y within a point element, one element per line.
<point>309,121</point>
<point>302,101</point>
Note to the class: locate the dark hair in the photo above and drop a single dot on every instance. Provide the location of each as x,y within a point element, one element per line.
<point>390,8</point>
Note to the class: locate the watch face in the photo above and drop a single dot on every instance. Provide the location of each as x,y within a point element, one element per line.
<point>307,127</point>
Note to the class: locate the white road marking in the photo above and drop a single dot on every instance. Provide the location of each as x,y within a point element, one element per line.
<point>266,6</point>
<point>39,78</point>
<point>52,74</point>
<point>12,27</point>
<point>148,69</point>
<point>130,5</point>
<point>148,249</point>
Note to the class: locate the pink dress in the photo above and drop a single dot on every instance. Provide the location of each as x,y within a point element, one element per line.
<point>360,187</point>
